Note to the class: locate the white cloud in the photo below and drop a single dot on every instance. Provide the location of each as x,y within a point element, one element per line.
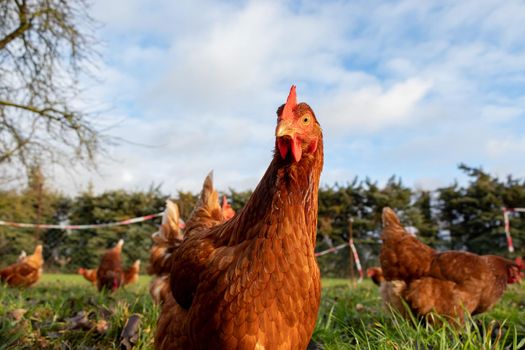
<point>406,87</point>
<point>373,108</point>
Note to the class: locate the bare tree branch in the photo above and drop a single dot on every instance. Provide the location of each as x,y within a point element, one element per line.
<point>46,48</point>
<point>24,25</point>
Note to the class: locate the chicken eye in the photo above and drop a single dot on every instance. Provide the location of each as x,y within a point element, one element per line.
<point>306,119</point>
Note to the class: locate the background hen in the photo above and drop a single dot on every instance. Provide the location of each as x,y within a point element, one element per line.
<point>109,273</point>
<point>252,282</point>
<point>376,275</point>
<point>25,272</point>
<point>444,282</point>
<point>89,274</point>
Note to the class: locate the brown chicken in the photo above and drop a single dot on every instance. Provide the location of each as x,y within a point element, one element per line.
<point>376,275</point>
<point>252,282</point>
<point>447,283</point>
<point>109,272</point>
<point>390,291</point>
<point>89,274</point>
<point>227,210</point>
<point>131,275</point>
<point>25,272</point>
<point>165,241</point>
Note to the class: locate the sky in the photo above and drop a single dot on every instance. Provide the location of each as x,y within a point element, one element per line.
<point>408,88</point>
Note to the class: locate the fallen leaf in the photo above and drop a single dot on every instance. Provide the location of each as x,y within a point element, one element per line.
<point>79,321</point>
<point>130,332</point>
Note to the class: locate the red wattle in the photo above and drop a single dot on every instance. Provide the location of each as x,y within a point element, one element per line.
<point>297,150</point>
<point>294,143</point>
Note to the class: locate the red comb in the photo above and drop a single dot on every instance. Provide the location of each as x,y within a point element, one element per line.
<point>291,102</point>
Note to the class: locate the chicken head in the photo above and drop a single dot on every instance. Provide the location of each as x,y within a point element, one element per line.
<point>298,131</point>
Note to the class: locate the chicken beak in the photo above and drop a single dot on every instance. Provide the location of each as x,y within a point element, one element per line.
<point>287,140</point>
<point>284,128</point>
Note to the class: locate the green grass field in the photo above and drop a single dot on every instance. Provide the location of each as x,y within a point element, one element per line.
<point>43,317</point>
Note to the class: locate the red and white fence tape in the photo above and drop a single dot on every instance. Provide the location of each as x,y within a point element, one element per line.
<point>331,250</point>
<point>506,212</point>
<point>354,253</point>
<point>81,227</point>
<point>356,259</point>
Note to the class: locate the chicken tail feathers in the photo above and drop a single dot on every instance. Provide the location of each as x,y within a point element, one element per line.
<point>170,228</point>
<point>207,212</point>
<point>120,243</point>
<point>209,198</point>
<point>207,188</point>
<point>165,241</point>
<point>390,218</point>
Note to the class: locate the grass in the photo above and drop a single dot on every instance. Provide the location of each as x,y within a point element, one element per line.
<point>350,318</point>
<point>353,318</point>
<point>50,308</point>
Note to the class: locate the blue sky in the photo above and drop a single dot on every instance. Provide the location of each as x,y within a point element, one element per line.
<point>411,88</point>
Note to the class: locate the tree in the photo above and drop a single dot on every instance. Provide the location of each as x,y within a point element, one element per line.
<point>85,247</point>
<point>13,241</point>
<point>473,214</point>
<point>45,49</point>
<point>238,199</point>
<point>186,202</point>
<point>421,216</point>
<point>36,203</point>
